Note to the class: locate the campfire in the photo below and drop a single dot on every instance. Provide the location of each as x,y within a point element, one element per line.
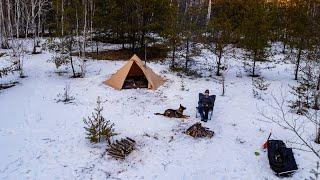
<point>121,149</point>
<point>197,130</point>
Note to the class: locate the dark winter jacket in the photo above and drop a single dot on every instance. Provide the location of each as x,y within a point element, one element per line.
<point>206,101</point>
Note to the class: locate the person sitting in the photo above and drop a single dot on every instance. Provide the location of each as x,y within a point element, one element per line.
<point>205,104</point>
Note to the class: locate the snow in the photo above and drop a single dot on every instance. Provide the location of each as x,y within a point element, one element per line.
<point>43,139</point>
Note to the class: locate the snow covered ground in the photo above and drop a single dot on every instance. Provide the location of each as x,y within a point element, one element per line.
<point>43,139</point>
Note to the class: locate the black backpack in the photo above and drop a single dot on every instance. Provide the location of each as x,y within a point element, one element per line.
<point>281,158</point>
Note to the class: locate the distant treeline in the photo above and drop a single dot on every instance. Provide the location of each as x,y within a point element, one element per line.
<point>249,24</point>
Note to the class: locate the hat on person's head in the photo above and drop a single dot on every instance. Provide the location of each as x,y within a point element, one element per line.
<point>207,91</point>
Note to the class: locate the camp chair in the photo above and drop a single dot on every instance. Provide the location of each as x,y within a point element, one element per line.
<point>281,158</point>
<point>213,98</point>
<point>209,114</point>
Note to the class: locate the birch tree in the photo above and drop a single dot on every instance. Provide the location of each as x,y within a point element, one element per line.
<point>3,28</point>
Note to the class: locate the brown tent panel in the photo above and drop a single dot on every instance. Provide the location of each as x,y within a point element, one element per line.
<point>133,68</point>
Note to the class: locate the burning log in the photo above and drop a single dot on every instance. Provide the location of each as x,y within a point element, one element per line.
<point>197,130</point>
<point>121,149</point>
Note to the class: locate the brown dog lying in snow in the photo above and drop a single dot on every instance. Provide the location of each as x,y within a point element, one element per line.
<point>174,113</point>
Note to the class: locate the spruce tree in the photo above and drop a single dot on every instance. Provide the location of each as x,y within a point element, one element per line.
<point>97,126</point>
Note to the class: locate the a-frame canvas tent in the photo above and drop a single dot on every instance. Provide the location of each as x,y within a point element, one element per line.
<point>134,67</point>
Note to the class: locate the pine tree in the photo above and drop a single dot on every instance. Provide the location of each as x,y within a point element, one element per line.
<point>65,97</point>
<point>299,30</point>
<point>172,31</point>
<point>192,27</point>
<point>97,126</point>
<point>222,29</point>
<point>255,31</point>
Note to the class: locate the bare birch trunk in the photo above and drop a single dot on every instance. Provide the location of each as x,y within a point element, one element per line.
<point>27,19</point>
<point>4,35</point>
<point>33,9</point>
<point>77,34</point>
<point>18,12</point>
<point>39,19</point>
<point>84,38</point>
<point>209,11</point>
<point>91,24</point>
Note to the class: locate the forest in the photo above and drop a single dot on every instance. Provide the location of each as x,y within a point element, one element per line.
<point>249,24</point>
<point>59,59</point>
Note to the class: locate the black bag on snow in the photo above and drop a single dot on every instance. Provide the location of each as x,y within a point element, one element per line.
<point>281,158</point>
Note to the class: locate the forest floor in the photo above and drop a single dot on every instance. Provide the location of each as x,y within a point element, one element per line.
<point>154,53</point>
<point>43,139</point>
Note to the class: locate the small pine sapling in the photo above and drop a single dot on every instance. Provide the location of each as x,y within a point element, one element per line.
<point>183,88</point>
<point>315,172</point>
<point>65,97</point>
<point>62,49</point>
<point>260,85</point>
<point>300,105</point>
<point>97,126</point>
<point>306,92</point>
<point>239,74</point>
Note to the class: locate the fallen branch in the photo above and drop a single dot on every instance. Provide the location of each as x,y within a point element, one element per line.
<point>8,85</point>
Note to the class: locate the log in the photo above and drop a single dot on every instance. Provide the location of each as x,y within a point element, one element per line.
<point>113,146</point>
<point>128,141</point>
<point>126,144</point>
<point>123,143</point>
<point>121,146</point>
<point>197,130</point>
<point>131,140</point>
<point>117,156</point>
<point>116,152</point>
<point>120,149</point>
<point>8,85</point>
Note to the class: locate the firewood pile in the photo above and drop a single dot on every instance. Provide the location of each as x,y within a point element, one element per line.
<point>121,149</point>
<point>197,130</point>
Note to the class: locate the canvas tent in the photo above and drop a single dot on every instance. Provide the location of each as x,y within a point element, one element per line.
<point>135,74</point>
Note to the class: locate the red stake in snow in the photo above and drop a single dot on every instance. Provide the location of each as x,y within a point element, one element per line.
<point>265,145</point>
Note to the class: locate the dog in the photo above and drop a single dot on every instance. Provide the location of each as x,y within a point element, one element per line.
<point>172,113</point>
